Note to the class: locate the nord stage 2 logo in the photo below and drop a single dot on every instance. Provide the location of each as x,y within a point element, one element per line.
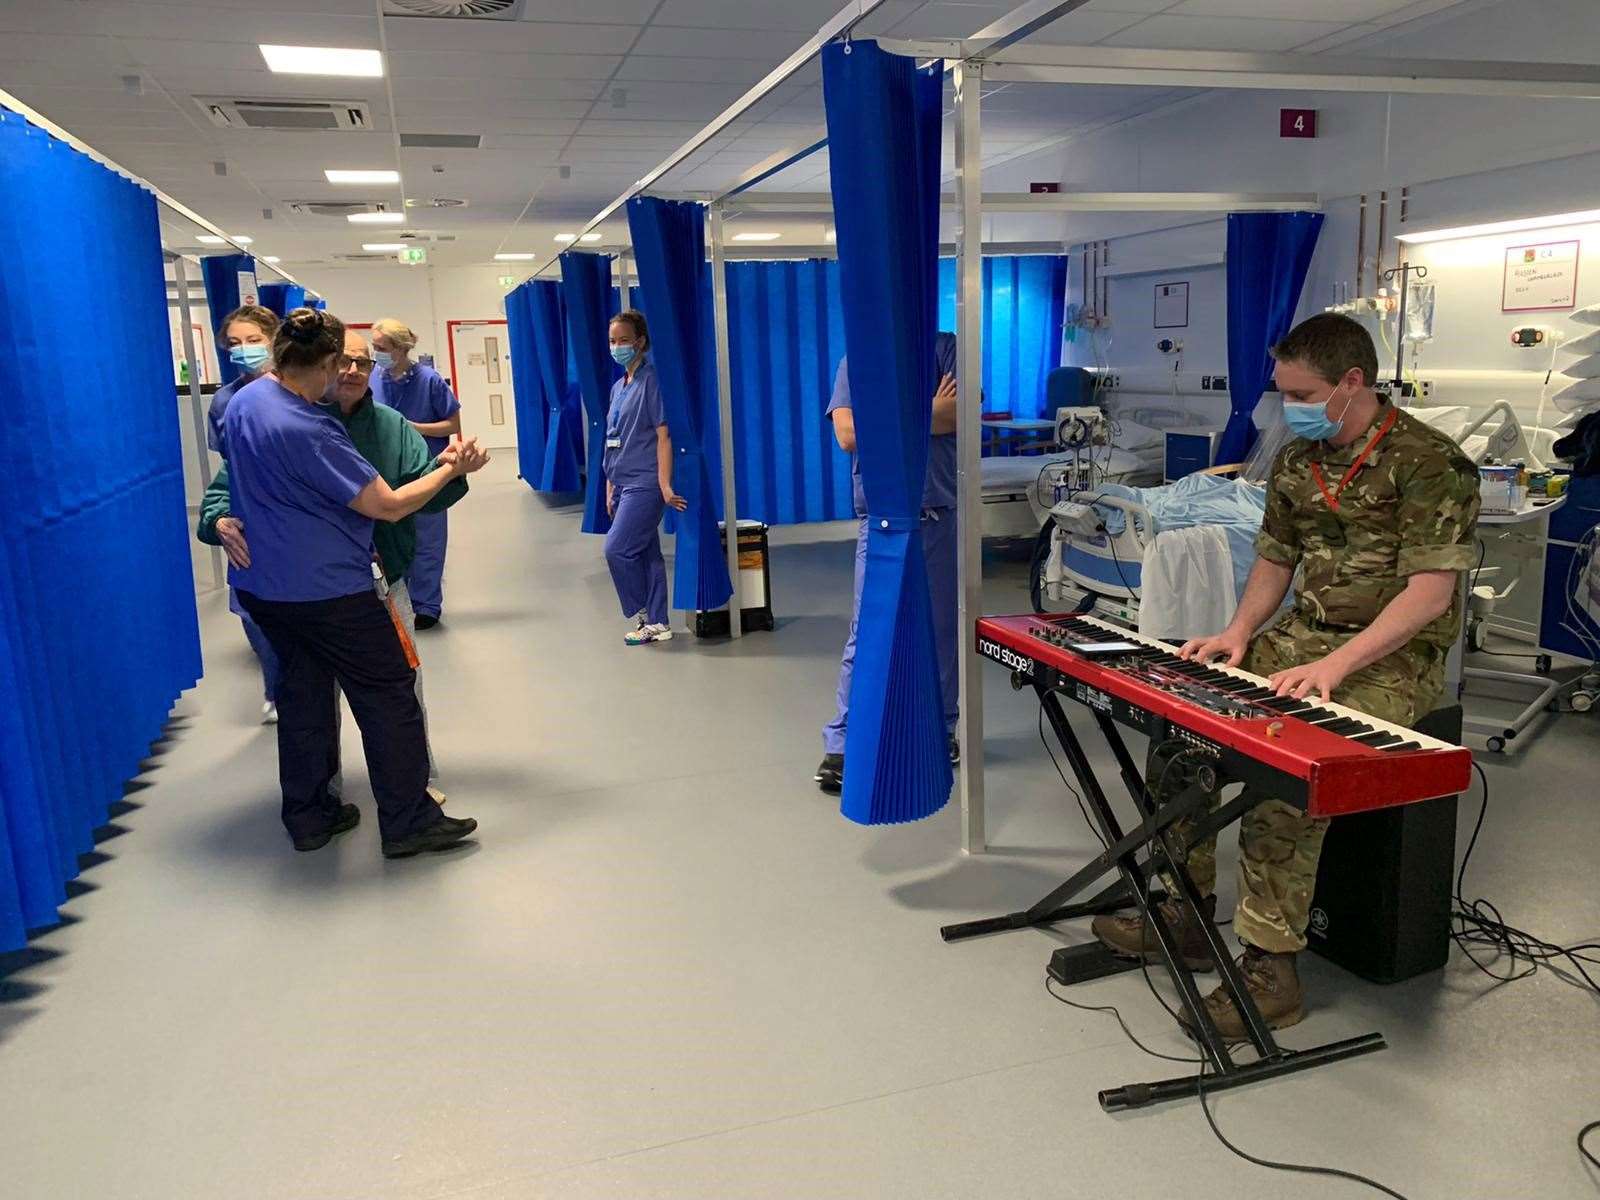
<point>1005,656</point>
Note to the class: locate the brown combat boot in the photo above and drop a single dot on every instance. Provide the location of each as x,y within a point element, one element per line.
<point>1273,983</point>
<point>1128,937</point>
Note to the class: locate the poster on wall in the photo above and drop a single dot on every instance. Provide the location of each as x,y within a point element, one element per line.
<point>1172,306</point>
<point>1540,278</point>
<point>247,288</point>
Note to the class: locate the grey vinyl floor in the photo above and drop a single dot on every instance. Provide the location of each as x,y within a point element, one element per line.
<point>669,968</point>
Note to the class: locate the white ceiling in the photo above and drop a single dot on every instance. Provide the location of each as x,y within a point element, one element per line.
<point>605,87</point>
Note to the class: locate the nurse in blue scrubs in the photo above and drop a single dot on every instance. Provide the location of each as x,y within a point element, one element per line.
<point>939,547</point>
<point>308,499</point>
<point>246,334</point>
<point>638,467</point>
<point>424,399</point>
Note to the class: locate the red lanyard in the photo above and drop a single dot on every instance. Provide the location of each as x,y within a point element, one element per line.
<point>1316,470</point>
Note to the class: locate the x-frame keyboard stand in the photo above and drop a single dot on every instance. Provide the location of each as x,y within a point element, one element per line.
<point>1165,852</point>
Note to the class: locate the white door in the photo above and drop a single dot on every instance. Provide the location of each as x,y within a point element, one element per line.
<point>483,383</point>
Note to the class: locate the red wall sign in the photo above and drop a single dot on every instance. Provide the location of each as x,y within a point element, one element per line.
<point>1297,122</point>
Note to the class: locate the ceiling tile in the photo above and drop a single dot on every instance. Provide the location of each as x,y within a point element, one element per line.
<point>770,47</point>
<point>619,12</point>
<point>1220,33</point>
<point>507,37</point>
<point>802,17</point>
<point>1348,11</point>
<point>1128,6</point>
<point>709,70</point>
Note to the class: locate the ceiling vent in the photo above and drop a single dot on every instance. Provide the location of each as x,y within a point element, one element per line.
<point>436,202</point>
<point>441,141</point>
<point>294,115</point>
<point>491,10</point>
<point>422,235</point>
<point>335,208</point>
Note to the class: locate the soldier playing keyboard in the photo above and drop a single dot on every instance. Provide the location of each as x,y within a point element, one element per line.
<point>1379,514</point>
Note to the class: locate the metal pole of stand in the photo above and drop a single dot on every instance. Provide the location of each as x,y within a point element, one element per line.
<point>730,494</point>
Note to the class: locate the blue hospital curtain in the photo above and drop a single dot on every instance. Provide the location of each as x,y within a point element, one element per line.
<point>563,440</point>
<point>221,276</point>
<point>527,387</point>
<point>1268,257</point>
<point>281,297</point>
<point>669,244</point>
<point>884,120</point>
<point>98,633</point>
<point>586,287</point>
<point>1024,311</point>
<point>786,336</point>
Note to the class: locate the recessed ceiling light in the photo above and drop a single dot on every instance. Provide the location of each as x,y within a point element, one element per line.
<point>376,218</point>
<point>271,258</point>
<point>1471,231</point>
<point>211,239</point>
<point>565,238</point>
<point>322,60</point>
<point>590,237</point>
<point>514,257</point>
<point>756,237</point>
<point>342,176</point>
<point>831,236</point>
<point>382,247</point>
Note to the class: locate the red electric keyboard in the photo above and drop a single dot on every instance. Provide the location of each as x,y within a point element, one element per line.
<point>1325,758</point>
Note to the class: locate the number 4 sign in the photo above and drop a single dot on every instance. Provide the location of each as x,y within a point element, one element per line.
<point>1297,122</point>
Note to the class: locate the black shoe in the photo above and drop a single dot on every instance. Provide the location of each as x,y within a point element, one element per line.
<point>349,817</point>
<point>424,621</point>
<point>830,775</point>
<point>440,836</point>
<point>955,751</point>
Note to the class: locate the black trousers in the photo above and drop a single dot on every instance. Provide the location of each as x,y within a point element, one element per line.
<point>352,640</point>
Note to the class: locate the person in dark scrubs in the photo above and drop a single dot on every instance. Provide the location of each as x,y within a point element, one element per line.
<point>940,546</point>
<point>422,397</point>
<point>246,334</point>
<point>638,467</point>
<point>308,499</point>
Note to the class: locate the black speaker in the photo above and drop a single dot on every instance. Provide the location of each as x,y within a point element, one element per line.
<point>1382,904</point>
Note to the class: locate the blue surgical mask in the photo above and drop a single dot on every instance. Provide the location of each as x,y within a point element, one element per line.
<point>383,359</point>
<point>248,357</point>
<point>1311,421</point>
<point>623,355</point>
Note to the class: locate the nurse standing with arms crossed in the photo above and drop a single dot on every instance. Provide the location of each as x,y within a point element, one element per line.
<point>422,397</point>
<point>638,467</point>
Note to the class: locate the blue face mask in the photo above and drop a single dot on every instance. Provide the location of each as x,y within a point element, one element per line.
<point>623,355</point>
<point>1311,421</point>
<point>249,358</point>
<point>383,359</point>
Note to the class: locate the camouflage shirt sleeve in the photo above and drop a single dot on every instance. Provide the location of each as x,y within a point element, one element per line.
<point>1279,539</point>
<point>1439,515</point>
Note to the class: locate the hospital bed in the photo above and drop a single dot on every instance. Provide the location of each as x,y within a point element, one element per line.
<point>1127,447</point>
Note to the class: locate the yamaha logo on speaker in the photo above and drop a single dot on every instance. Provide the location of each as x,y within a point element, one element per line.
<point>1319,921</point>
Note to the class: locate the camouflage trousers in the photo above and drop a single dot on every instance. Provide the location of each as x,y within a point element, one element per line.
<point>1279,845</point>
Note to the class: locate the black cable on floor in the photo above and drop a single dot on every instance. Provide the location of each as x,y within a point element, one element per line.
<point>1584,1150</point>
<point>1144,968</point>
<point>1297,1168</point>
<point>1117,1013</point>
<point>1479,924</point>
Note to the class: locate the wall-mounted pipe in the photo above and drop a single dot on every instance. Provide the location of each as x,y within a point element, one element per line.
<point>1361,247</point>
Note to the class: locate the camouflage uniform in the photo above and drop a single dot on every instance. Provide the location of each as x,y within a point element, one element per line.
<point>1413,506</point>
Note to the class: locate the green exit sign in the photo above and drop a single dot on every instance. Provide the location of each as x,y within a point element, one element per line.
<point>508,281</point>
<point>413,254</point>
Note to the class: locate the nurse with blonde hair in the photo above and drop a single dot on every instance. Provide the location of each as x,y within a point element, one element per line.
<point>421,396</point>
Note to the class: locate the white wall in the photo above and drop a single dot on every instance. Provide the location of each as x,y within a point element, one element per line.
<point>425,298</point>
<point>1465,159</point>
